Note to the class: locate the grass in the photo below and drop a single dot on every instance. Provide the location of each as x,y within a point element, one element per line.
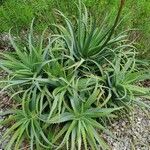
<point>68,84</point>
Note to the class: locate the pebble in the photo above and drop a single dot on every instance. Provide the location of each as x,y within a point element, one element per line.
<point>135,136</point>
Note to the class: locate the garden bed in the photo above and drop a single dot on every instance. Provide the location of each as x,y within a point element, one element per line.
<point>74,87</point>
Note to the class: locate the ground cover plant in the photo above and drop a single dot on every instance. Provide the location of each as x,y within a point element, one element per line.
<point>67,86</point>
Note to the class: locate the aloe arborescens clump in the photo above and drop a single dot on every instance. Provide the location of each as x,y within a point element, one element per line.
<point>67,88</point>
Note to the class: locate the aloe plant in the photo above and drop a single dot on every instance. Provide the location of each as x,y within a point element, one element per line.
<point>25,125</point>
<point>33,65</point>
<point>78,121</point>
<point>85,40</point>
<point>122,81</point>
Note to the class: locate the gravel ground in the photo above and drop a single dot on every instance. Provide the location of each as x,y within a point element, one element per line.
<point>134,136</point>
<point>5,103</point>
<point>4,42</point>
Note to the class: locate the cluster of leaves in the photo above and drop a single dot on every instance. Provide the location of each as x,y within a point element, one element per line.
<point>68,86</point>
